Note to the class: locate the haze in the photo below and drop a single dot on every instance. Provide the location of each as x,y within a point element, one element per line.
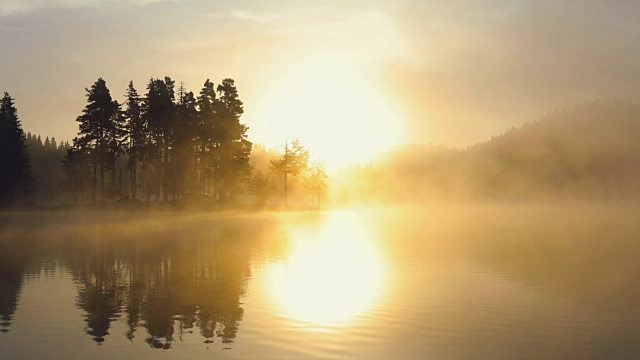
<point>443,72</point>
<point>319,180</point>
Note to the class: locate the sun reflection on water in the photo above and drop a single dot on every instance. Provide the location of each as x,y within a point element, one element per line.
<point>332,273</point>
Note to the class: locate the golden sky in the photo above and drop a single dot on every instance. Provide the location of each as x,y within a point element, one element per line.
<point>453,72</point>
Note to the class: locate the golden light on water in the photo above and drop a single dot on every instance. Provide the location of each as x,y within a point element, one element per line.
<point>331,275</point>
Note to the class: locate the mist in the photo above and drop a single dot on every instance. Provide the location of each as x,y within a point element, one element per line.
<point>588,153</point>
<point>336,180</point>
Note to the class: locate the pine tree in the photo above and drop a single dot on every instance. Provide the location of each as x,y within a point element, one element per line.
<point>294,160</point>
<point>76,166</point>
<point>233,168</point>
<point>208,134</point>
<point>101,132</point>
<point>261,187</point>
<point>315,182</point>
<point>16,180</point>
<point>183,167</point>
<point>159,115</point>
<point>135,135</point>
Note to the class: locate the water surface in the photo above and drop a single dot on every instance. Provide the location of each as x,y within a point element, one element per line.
<point>440,283</point>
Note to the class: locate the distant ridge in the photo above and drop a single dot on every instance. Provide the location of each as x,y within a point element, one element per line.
<point>590,152</point>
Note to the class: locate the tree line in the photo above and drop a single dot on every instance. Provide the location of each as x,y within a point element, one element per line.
<point>167,144</point>
<point>16,179</point>
<point>177,144</point>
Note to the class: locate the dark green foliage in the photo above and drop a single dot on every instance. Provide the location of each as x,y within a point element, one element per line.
<point>16,180</point>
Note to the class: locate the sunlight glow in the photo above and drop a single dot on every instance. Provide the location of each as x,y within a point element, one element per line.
<point>330,276</point>
<point>328,103</point>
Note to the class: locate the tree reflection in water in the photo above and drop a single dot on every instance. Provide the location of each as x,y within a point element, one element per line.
<point>10,284</point>
<point>170,282</point>
<point>13,263</point>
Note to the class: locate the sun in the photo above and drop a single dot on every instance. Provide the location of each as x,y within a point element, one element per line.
<point>329,104</point>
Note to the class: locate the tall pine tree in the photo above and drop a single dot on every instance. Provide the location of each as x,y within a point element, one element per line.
<point>159,113</point>
<point>233,168</point>
<point>15,163</point>
<point>101,132</point>
<point>294,160</point>
<point>208,138</point>
<point>135,134</point>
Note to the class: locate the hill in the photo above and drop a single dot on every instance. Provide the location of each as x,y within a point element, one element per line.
<point>590,152</point>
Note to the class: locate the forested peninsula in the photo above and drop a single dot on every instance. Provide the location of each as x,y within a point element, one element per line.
<point>168,145</point>
<point>172,146</point>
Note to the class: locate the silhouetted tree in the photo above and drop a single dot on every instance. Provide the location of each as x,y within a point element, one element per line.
<point>76,166</point>
<point>183,169</point>
<point>48,175</point>
<point>159,114</point>
<point>174,146</point>
<point>135,135</point>
<point>208,134</point>
<point>101,132</point>
<point>292,162</point>
<point>261,187</point>
<point>15,162</point>
<point>234,148</point>
<point>315,182</point>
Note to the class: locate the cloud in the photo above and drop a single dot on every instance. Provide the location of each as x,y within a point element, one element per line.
<point>9,29</point>
<point>256,17</point>
<point>243,15</point>
<point>19,7</point>
<point>478,67</point>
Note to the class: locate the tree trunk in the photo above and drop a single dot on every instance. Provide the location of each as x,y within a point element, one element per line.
<point>286,168</point>
<point>202,168</point>
<point>95,180</point>
<point>164,170</point>
<point>102,180</point>
<point>133,176</point>
<point>215,182</point>
<point>286,203</point>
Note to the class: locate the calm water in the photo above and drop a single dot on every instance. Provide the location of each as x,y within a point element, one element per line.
<point>440,283</point>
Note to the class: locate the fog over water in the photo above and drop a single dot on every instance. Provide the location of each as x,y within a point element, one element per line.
<point>408,179</point>
<point>441,282</point>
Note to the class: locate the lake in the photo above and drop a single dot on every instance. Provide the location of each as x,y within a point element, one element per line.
<point>476,282</point>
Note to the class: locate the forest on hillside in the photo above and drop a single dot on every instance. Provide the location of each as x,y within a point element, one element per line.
<point>590,152</point>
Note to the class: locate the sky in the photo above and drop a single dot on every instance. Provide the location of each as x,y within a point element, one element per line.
<point>450,72</point>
